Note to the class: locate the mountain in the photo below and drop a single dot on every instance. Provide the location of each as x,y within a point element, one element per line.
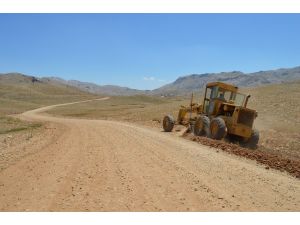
<point>182,86</point>
<point>110,90</point>
<point>191,83</point>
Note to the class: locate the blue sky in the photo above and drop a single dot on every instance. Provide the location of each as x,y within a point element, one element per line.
<point>146,51</point>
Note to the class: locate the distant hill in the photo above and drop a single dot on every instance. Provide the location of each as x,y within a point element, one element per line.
<point>182,86</point>
<point>19,92</point>
<point>191,83</point>
<point>110,90</point>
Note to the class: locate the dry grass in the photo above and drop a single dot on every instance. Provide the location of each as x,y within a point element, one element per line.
<point>18,97</point>
<point>11,124</point>
<point>141,109</point>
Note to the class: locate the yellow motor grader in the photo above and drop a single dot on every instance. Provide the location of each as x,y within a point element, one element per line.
<point>223,113</point>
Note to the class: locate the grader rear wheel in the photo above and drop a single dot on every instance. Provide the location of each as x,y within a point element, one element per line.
<point>217,128</point>
<point>253,140</point>
<point>168,123</point>
<point>201,127</point>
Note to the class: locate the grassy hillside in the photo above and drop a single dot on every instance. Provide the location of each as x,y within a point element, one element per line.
<point>278,118</point>
<point>278,106</point>
<point>110,90</point>
<point>18,93</point>
<point>142,109</point>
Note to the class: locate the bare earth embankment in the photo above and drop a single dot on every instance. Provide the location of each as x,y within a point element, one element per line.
<point>101,165</point>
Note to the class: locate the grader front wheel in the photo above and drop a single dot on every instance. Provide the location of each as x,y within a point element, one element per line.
<point>168,123</point>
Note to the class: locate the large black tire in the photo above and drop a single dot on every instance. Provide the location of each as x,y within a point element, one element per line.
<point>253,140</point>
<point>217,128</point>
<point>168,123</point>
<point>201,127</point>
<point>234,138</point>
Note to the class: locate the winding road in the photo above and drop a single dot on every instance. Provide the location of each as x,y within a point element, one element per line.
<point>100,165</point>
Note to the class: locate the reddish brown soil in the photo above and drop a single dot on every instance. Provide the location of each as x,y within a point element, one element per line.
<point>271,160</point>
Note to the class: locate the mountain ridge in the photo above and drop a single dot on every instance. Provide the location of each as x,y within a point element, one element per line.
<point>97,89</point>
<point>184,85</point>
<point>194,82</point>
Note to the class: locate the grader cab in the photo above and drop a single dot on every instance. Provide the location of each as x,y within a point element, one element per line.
<point>223,113</point>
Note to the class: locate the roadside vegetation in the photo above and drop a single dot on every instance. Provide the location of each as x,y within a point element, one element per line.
<point>11,125</point>
<point>141,109</point>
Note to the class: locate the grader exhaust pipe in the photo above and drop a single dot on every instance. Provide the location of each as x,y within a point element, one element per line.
<point>246,102</point>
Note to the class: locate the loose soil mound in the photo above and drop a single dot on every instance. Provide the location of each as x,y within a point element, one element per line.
<point>271,160</point>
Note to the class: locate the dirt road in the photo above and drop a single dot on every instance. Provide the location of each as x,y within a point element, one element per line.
<point>95,165</point>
